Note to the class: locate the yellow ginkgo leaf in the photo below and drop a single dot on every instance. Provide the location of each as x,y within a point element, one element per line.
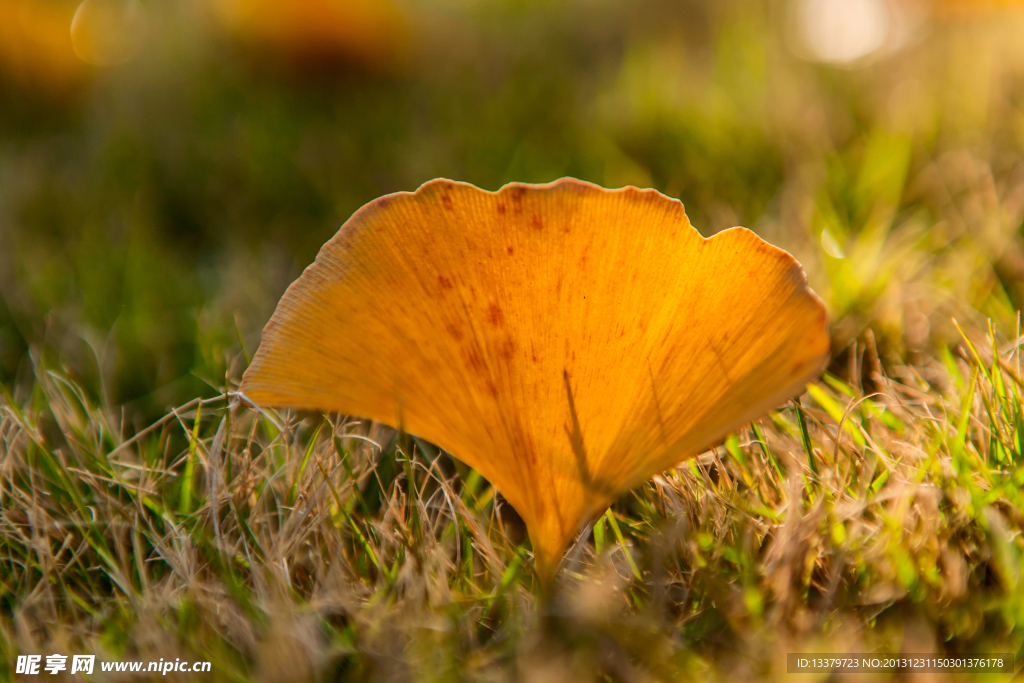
<point>366,32</point>
<point>567,341</point>
<point>35,46</point>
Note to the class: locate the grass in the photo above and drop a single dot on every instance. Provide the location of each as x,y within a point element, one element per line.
<point>282,546</point>
<point>881,511</point>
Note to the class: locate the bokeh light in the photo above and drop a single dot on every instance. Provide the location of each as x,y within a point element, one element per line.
<point>851,32</point>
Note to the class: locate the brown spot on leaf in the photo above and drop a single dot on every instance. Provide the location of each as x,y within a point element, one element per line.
<point>454,331</point>
<point>537,222</point>
<point>501,208</point>
<point>533,352</point>
<point>508,349</point>
<point>446,199</point>
<point>491,389</point>
<point>517,199</point>
<point>495,315</point>
<point>511,250</point>
<point>474,360</point>
<point>445,283</point>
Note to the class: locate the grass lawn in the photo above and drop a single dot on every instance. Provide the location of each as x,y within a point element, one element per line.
<point>280,546</point>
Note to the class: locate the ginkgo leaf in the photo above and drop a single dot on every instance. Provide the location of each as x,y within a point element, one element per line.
<point>567,341</point>
<point>369,32</point>
<point>35,46</point>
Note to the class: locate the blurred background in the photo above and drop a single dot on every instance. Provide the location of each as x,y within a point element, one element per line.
<point>166,169</point>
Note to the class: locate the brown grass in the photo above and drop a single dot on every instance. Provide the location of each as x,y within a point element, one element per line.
<point>282,546</point>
